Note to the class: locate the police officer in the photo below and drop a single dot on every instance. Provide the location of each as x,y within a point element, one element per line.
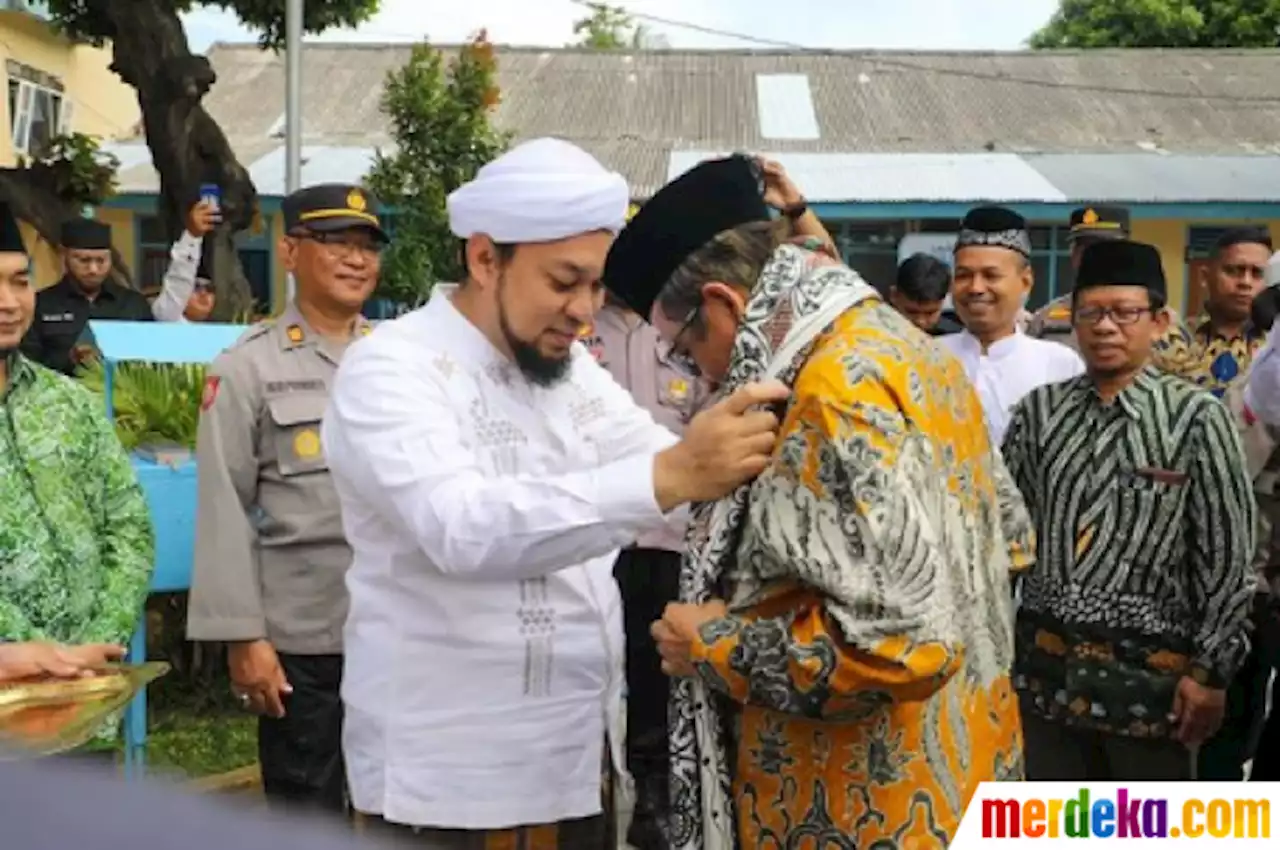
<point>57,336</point>
<point>270,555</point>
<point>648,573</point>
<point>1088,225</point>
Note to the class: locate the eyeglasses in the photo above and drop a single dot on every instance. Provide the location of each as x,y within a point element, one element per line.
<point>1120,315</point>
<point>677,356</point>
<point>343,244</point>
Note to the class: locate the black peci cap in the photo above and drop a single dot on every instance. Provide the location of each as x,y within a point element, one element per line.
<point>686,214</point>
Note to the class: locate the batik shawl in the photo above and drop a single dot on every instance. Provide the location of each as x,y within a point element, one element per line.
<point>799,294</point>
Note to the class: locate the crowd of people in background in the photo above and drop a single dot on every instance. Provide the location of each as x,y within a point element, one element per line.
<point>844,549</point>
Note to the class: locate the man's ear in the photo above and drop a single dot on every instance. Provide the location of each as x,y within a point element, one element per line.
<point>287,252</point>
<point>484,265</point>
<point>727,294</point>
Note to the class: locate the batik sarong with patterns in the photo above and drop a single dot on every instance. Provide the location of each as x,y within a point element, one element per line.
<point>859,689</point>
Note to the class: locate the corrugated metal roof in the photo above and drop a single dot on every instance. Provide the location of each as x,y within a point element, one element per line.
<point>632,109</point>
<point>841,178</point>
<point>1156,178</point>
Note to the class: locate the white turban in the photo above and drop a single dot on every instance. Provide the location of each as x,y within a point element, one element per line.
<point>540,191</point>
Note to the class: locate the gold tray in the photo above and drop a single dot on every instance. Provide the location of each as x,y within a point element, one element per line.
<point>56,715</point>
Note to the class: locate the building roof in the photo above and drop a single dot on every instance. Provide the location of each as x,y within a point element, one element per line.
<point>1175,125</point>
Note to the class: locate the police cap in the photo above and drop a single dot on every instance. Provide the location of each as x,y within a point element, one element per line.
<point>1099,223</point>
<point>332,206</point>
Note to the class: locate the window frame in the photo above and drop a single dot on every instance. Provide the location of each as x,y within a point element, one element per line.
<point>22,112</point>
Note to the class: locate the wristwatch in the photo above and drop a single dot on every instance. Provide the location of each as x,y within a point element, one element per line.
<point>794,211</point>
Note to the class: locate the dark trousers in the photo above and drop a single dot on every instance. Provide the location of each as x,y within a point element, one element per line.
<point>1266,757</point>
<point>1058,753</point>
<point>1222,757</point>
<point>648,580</point>
<point>301,753</point>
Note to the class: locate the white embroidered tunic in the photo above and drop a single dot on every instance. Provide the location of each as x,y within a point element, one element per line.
<point>1009,370</point>
<point>484,643</point>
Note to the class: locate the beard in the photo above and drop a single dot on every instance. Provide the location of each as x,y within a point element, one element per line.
<point>537,368</point>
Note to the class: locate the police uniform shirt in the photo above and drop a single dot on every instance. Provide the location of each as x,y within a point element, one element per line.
<point>63,312</point>
<point>270,557</point>
<point>633,353</point>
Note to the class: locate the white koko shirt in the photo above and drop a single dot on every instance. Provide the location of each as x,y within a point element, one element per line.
<point>1009,370</point>
<point>484,645</point>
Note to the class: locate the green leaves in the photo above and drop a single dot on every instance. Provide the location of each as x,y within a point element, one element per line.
<point>439,112</point>
<point>89,19</point>
<point>1161,23</point>
<point>153,402</point>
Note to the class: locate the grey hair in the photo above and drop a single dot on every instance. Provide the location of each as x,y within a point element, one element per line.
<point>735,257</point>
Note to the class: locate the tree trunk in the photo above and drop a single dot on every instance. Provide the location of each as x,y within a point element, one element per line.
<point>32,195</point>
<point>150,53</point>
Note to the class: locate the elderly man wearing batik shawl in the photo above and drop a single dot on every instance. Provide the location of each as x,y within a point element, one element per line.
<point>865,637</point>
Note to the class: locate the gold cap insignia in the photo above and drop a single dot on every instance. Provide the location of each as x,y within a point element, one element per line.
<point>1090,217</point>
<point>307,444</point>
<point>295,334</point>
<point>356,201</point>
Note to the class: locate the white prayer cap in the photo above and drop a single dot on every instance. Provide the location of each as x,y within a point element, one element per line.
<point>540,191</point>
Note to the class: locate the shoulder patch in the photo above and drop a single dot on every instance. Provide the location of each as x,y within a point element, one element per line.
<point>210,394</point>
<point>255,332</point>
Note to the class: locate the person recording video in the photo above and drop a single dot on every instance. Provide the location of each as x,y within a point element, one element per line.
<point>187,290</point>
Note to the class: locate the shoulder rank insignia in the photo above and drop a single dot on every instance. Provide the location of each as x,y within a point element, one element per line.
<point>294,334</point>
<point>1059,313</point>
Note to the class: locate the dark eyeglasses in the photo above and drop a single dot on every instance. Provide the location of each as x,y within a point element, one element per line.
<point>677,356</point>
<point>342,243</point>
<point>1120,315</point>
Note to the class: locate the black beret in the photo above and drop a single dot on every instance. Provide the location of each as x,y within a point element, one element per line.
<point>10,235</point>
<point>1243,236</point>
<point>86,233</point>
<point>332,206</point>
<point>684,215</point>
<point>1099,223</point>
<point>1121,262</point>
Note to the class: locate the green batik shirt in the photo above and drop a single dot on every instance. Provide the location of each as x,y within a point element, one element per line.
<point>76,543</point>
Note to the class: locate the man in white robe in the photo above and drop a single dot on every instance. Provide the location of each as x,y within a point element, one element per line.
<point>489,470</point>
<point>991,282</point>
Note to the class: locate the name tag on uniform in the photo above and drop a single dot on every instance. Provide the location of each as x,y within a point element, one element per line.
<point>57,317</point>
<point>294,386</point>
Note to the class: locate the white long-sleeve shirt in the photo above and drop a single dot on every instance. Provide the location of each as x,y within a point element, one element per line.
<point>1009,370</point>
<point>179,279</point>
<point>1262,392</point>
<point>484,641</point>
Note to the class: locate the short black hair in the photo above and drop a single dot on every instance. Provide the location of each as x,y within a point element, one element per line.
<point>1242,236</point>
<point>923,277</point>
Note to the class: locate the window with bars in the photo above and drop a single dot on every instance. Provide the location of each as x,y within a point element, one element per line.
<point>870,248</point>
<point>255,258</point>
